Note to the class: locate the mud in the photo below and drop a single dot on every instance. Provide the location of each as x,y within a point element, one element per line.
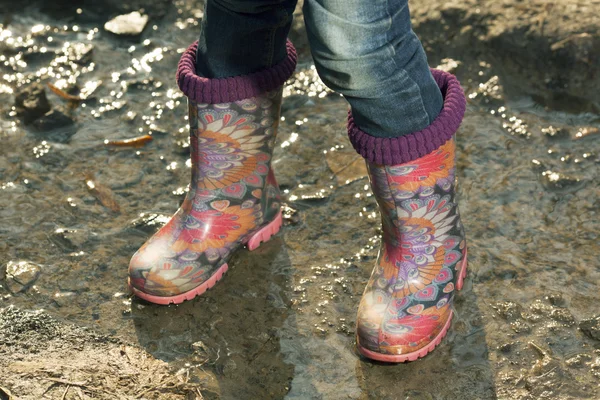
<point>44,358</point>
<point>281,323</point>
<point>550,49</point>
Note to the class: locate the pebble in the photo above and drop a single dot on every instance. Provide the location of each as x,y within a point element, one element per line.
<point>201,350</point>
<point>508,310</point>
<point>591,327</point>
<point>560,183</point>
<point>150,222</point>
<point>31,102</point>
<point>58,126</point>
<point>131,24</point>
<point>80,53</point>
<point>554,133</point>
<point>69,240</point>
<point>21,275</point>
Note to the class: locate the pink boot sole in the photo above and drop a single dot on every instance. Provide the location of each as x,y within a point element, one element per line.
<point>425,350</point>
<point>262,236</point>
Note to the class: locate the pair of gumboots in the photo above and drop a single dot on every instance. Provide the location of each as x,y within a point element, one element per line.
<point>234,201</point>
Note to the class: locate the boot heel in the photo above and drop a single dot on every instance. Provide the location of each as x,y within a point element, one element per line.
<point>265,233</point>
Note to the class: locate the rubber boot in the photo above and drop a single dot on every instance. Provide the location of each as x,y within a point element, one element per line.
<point>233,199</point>
<point>406,308</point>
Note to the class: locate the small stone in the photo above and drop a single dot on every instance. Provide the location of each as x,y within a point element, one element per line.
<point>59,126</point>
<point>80,53</point>
<point>505,348</point>
<point>556,300</point>
<point>591,327</point>
<point>561,183</point>
<point>150,222</point>
<point>69,240</point>
<point>31,102</point>
<point>562,315</point>
<point>21,275</point>
<point>291,215</point>
<point>508,310</point>
<point>201,350</point>
<point>579,360</point>
<point>520,327</point>
<point>556,133</point>
<point>131,24</point>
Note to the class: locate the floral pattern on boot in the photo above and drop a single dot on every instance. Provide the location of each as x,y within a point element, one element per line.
<point>406,306</point>
<point>233,195</point>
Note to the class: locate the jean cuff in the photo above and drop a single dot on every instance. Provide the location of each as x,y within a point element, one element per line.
<point>225,90</point>
<point>406,148</point>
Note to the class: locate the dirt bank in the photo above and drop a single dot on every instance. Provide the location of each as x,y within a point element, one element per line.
<point>41,357</point>
<point>549,48</point>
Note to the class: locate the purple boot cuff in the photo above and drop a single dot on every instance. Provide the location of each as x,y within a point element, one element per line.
<point>403,149</point>
<point>225,90</point>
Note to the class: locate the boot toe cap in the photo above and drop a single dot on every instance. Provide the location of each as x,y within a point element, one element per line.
<point>404,333</point>
<point>155,274</point>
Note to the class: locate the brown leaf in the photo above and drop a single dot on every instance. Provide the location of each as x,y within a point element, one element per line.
<point>102,193</point>
<point>63,94</point>
<point>586,132</point>
<point>133,142</point>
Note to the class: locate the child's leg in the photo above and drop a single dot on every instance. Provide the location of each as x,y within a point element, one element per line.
<point>367,51</point>
<point>238,37</point>
<point>234,199</point>
<point>403,122</point>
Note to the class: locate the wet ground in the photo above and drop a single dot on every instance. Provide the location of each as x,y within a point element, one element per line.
<point>73,209</point>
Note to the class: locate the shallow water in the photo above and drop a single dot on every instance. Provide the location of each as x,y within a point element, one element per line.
<point>281,323</point>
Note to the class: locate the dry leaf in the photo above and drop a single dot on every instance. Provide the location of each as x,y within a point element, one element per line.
<point>133,142</point>
<point>102,193</point>
<point>63,94</point>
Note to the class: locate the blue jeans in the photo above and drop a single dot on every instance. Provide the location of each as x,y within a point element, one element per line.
<point>363,49</point>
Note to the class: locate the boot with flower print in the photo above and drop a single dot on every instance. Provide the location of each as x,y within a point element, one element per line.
<point>233,199</point>
<point>406,308</point>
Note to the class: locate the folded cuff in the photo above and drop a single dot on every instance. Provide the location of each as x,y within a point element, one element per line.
<point>225,90</point>
<point>406,148</point>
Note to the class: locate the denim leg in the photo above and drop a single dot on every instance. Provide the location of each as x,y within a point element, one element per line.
<point>367,51</point>
<point>238,37</point>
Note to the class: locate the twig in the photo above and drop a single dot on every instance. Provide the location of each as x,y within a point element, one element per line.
<point>66,382</point>
<point>65,392</point>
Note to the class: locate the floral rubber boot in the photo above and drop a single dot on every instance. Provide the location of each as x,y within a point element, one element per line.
<point>406,308</point>
<point>233,200</point>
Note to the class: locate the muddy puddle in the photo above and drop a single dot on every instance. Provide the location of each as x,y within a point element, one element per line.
<point>74,208</point>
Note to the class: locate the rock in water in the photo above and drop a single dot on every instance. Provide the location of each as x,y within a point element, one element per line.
<point>55,126</point>
<point>52,120</point>
<point>131,24</point>
<point>31,102</point>
<point>591,327</point>
<point>21,275</point>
